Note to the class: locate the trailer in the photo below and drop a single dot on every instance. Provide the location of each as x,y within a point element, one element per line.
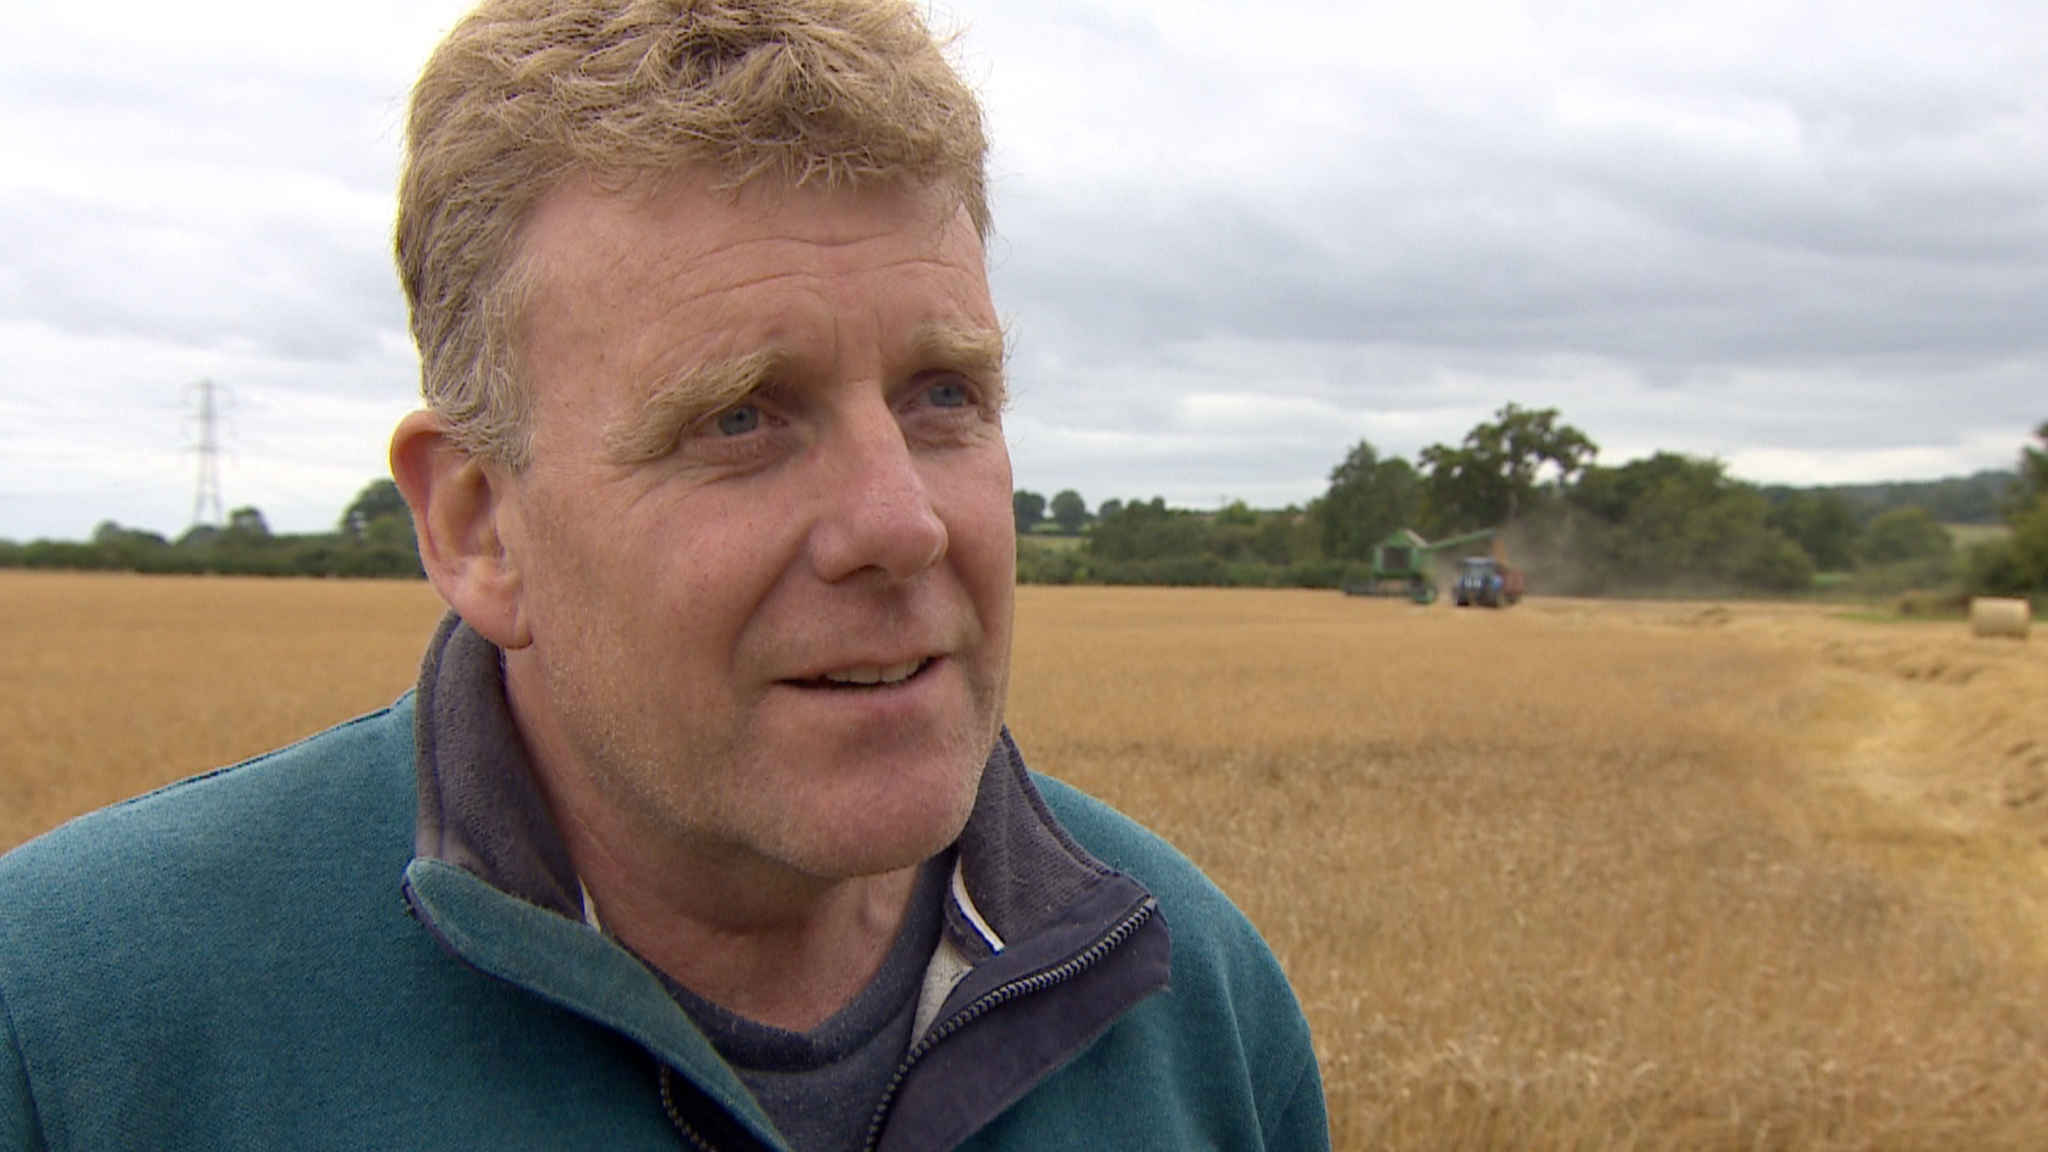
<point>1486,582</point>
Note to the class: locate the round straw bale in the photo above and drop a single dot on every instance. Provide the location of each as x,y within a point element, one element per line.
<point>1991,616</point>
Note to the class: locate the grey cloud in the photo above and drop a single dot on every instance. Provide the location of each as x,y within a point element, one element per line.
<point>1802,206</point>
<point>1580,279</point>
<point>285,283</point>
<point>206,204</point>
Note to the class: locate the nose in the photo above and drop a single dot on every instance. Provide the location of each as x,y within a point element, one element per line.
<point>876,511</point>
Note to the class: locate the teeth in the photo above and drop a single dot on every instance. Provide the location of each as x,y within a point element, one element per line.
<point>890,674</point>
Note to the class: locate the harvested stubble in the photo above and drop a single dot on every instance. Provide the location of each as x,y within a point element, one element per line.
<point>1571,876</point>
<point>1557,878</point>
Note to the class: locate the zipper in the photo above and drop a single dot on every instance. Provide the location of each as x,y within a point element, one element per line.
<point>689,1134</point>
<point>994,998</point>
<point>714,1130</point>
<point>981,1006</point>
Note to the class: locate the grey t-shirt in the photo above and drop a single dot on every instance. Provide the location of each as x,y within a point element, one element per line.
<point>822,1087</point>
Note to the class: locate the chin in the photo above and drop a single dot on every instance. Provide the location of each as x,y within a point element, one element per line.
<point>900,828</point>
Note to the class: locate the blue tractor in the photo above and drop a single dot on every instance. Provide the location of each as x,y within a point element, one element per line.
<point>1486,583</point>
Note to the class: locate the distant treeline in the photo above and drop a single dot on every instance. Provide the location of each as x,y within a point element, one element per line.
<point>373,539</point>
<point>1977,499</point>
<point>1668,524</point>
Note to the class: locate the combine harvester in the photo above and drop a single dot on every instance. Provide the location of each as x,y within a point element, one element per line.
<point>1405,564</point>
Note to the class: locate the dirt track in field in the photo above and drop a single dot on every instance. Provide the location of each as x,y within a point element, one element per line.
<point>1947,729</point>
<point>1944,734</point>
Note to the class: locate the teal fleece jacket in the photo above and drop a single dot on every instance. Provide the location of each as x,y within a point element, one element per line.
<point>232,963</point>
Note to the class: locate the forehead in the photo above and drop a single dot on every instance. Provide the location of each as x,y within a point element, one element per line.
<point>593,253</point>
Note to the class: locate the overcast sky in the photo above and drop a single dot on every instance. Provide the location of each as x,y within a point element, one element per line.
<point>1809,238</point>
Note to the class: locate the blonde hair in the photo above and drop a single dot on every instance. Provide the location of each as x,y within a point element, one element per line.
<point>523,92</point>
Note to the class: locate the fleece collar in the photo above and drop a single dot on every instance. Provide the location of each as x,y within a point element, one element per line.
<point>1044,945</point>
<point>479,808</point>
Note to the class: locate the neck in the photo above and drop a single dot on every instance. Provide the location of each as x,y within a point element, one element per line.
<point>778,950</point>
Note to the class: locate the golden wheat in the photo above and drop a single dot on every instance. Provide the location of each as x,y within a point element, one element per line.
<point>1570,876</point>
<point>114,684</point>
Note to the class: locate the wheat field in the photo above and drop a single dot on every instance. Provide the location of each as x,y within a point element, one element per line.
<point>1572,876</point>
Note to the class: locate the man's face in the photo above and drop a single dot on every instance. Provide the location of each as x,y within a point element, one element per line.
<point>764,545</point>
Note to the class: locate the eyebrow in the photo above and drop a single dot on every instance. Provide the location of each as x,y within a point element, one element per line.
<point>677,403</point>
<point>651,431</point>
<point>979,353</point>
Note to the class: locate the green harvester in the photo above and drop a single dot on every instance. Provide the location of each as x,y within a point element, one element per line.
<point>1404,564</point>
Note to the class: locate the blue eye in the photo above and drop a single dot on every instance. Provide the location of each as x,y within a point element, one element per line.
<point>951,394</point>
<point>738,421</point>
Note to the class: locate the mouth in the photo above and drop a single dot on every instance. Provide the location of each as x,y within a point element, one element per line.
<point>870,676</point>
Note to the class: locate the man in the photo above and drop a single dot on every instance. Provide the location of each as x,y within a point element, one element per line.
<point>702,822</point>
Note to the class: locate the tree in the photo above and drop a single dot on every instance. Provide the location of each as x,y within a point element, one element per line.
<point>199,536</point>
<point>1029,508</point>
<point>1069,511</point>
<point>1821,522</point>
<point>1903,535</point>
<point>1494,475</point>
<point>379,499</point>
<point>2033,477</point>
<point>1674,520</point>
<point>2028,514</point>
<point>2018,565</point>
<point>1368,499</point>
<point>1143,530</point>
<point>1239,533</point>
<point>110,534</point>
<point>248,523</point>
<point>2029,544</point>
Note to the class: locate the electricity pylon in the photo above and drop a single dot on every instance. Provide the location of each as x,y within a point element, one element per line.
<point>207,498</point>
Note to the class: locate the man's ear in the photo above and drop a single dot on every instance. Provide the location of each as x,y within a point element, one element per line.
<point>459,503</point>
